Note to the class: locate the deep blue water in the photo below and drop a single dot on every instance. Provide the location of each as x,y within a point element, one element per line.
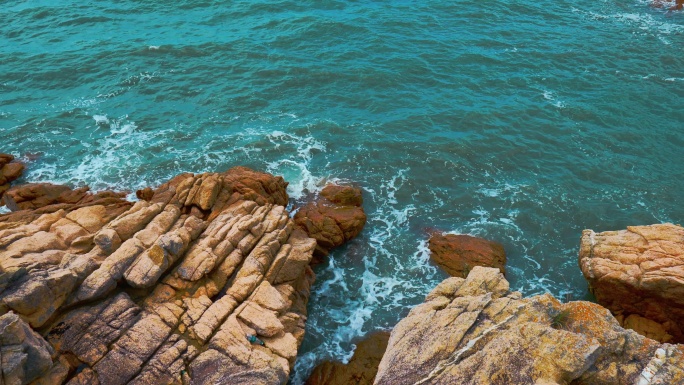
<point>522,122</point>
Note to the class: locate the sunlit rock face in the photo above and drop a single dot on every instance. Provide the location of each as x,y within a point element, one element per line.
<point>204,281</point>
<point>638,274</point>
<point>476,331</point>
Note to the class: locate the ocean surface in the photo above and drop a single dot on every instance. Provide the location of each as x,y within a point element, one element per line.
<point>522,122</point>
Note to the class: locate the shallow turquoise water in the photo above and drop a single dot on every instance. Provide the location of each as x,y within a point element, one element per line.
<point>523,122</point>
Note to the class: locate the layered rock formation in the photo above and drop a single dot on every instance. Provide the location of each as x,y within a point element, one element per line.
<point>638,274</point>
<point>475,331</point>
<point>335,218</point>
<point>205,282</point>
<point>360,370</point>
<point>9,171</point>
<point>457,254</point>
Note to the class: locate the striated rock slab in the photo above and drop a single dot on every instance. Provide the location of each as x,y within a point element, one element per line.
<point>457,254</point>
<point>476,331</point>
<point>205,281</point>
<point>360,370</point>
<point>9,172</point>
<point>335,218</point>
<point>638,274</point>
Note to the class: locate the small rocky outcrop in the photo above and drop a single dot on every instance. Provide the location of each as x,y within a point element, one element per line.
<point>476,331</point>
<point>360,370</point>
<point>205,282</point>
<point>9,171</point>
<point>335,218</point>
<point>638,274</point>
<point>457,254</point>
<point>30,201</point>
<point>33,196</point>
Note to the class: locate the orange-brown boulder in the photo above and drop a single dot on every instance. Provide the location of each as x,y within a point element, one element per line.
<point>639,271</point>
<point>145,194</point>
<point>458,254</point>
<point>360,370</point>
<point>9,171</point>
<point>335,218</point>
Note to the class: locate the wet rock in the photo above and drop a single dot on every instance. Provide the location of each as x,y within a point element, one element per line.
<point>145,194</point>
<point>360,370</point>
<point>10,170</point>
<point>458,254</point>
<point>171,289</point>
<point>476,331</point>
<point>335,218</point>
<point>638,271</point>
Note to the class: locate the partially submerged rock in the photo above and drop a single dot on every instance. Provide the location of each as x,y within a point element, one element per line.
<point>335,218</point>
<point>10,171</point>
<point>476,331</point>
<point>638,274</point>
<point>205,282</point>
<point>457,254</point>
<point>360,370</point>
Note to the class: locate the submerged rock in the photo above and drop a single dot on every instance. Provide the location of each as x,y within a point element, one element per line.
<point>360,370</point>
<point>638,274</point>
<point>476,331</point>
<point>335,218</point>
<point>457,254</point>
<point>205,282</point>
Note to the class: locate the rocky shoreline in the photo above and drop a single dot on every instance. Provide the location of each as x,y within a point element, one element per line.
<point>206,279</point>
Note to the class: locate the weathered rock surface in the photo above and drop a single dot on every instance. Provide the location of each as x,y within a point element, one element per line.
<point>638,274</point>
<point>204,282</point>
<point>24,354</point>
<point>475,331</point>
<point>335,218</point>
<point>360,370</point>
<point>9,172</point>
<point>457,254</point>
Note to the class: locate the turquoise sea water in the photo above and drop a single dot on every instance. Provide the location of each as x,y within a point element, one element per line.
<point>522,122</point>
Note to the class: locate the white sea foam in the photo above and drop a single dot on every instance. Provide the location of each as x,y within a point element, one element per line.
<point>119,127</point>
<point>295,169</point>
<point>101,119</point>
<point>378,289</point>
<point>643,23</point>
<point>4,210</point>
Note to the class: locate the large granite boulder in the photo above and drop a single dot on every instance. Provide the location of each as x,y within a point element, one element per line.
<point>476,331</point>
<point>360,370</point>
<point>334,218</point>
<point>457,254</point>
<point>10,170</point>
<point>638,274</point>
<point>205,282</point>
